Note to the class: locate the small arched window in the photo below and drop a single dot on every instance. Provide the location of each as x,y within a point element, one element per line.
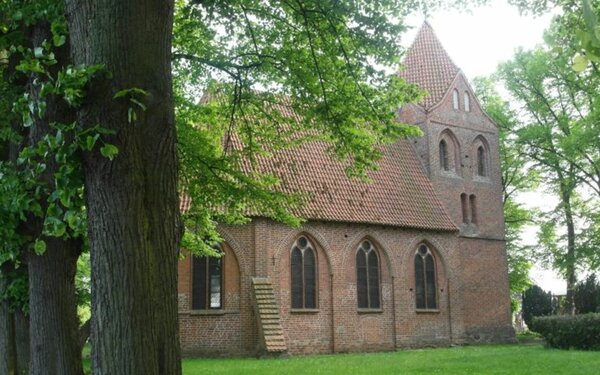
<point>303,274</point>
<point>207,282</point>
<point>455,99</point>
<point>425,279</point>
<point>467,102</point>
<point>481,161</point>
<point>367,277</point>
<point>444,155</point>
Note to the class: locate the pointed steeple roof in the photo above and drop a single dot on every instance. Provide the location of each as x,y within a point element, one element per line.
<point>428,65</point>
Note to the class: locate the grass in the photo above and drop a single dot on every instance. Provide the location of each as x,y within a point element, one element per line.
<point>471,360</point>
<point>493,359</point>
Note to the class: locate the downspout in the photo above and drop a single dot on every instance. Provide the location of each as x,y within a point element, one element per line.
<point>394,333</point>
<point>332,313</point>
<point>449,310</point>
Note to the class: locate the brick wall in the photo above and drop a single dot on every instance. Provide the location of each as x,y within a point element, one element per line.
<point>471,285</point>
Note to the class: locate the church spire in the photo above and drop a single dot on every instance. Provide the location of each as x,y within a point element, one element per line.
<point>428,64</point>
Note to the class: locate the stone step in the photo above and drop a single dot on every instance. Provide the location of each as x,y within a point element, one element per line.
<point>268,316</point>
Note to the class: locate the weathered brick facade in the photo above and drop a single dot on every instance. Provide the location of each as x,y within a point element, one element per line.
<point>470,259</point>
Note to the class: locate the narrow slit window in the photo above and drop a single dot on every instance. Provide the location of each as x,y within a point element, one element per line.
<point>481,162</point>
<point>473,204</point>
<point>444,164</point>
<point>455,99</point>
<point>465,210</point>
<point>467,102</point>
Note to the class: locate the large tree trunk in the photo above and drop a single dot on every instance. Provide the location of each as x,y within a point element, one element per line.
<point>132,201</point>
<point>53,310</point>
<point>54,324</point>
<point>14,334</point>
<point>22,341</point>
<point>8,355</point>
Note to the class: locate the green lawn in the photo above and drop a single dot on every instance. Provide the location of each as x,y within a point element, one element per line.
<point>468,360</point>
<point>496,359</point>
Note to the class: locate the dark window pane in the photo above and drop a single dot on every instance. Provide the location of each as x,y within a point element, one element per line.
<point>310,279</point>
<point>373,280</point>
<point>296,278</point>
<point>361,279</point>
<point>199,285</point>
<point>419,282</point>
<point>430,282</point>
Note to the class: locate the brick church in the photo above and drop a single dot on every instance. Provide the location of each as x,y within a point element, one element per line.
<point>415,258</point>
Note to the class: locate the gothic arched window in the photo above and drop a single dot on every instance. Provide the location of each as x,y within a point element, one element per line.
<point>367,276</point>
<point>444,164</point>
<point>207,283</point>
<point>304,274</point>
<point>455,99</point>
<point>425,279</point>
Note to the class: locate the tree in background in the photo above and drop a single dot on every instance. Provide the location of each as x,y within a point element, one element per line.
<point>587,295</point>
<point>536,302</point>
<point>558,133</point>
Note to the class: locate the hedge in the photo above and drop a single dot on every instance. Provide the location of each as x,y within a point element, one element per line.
<point>569,331</point>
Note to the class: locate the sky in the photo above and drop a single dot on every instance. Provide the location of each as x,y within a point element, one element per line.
<point>477,41</point>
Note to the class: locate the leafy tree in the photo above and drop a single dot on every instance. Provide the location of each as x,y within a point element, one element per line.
<point>536,302</point>
<point>42,181</point>
<point>587,295</point>
<point>559,135</point>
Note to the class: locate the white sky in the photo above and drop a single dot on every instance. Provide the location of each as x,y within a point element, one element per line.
<point>477,41</point>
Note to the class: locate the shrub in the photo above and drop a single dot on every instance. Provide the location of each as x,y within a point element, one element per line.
<point>587,296</point>
<point>569,331</point>
<point>536,302</point>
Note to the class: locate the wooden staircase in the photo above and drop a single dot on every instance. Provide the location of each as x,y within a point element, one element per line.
<point>267,314</point>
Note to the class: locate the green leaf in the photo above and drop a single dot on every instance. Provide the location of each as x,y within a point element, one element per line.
<point>90,141</point>
<point>39,247</point>
<point>38,52</point>
<point>109,151</point>
<point>580,62</point>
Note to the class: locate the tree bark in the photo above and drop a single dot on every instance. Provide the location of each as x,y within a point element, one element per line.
<point>8,355</point>
<point>53,309</point>
<point>21,321</point>
<point>132,201</point>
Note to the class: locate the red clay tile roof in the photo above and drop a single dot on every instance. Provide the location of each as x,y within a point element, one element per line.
<point>428,65</point>
<point>400,194</point>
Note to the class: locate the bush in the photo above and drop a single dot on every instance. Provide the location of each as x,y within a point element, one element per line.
<point>536,302</point>
<point>569,331</point>
<point>587,296</point>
